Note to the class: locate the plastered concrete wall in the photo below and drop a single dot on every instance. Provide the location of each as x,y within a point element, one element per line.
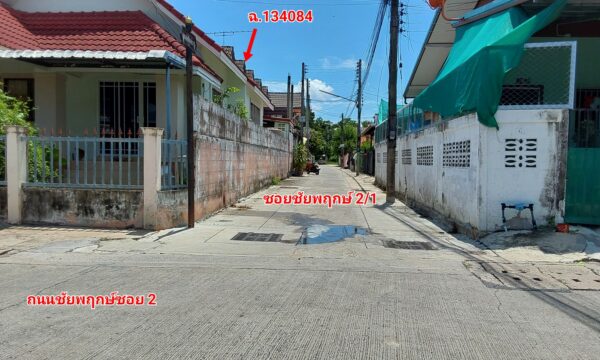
<point>234,158</point>
<point>117,209</point>
<point>542,185</point>
<point>478,174</point>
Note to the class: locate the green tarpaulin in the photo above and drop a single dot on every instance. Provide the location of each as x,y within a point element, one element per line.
<point>483,52</point>
<point>384,112</point>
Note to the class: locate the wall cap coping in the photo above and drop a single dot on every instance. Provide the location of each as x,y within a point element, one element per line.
<point>15,129</point>
<point>152,131</point>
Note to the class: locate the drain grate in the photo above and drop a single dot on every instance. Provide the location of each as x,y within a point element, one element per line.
<point>408,245</point>
<point>243,236</point>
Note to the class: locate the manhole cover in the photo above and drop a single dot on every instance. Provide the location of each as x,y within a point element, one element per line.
<point>408,245</point>
<point>243,236</point>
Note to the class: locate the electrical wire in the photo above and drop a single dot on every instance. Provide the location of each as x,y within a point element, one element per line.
<point>370,51</point>
<point>375,39</point>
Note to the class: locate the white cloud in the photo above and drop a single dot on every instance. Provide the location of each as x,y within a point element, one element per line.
<point>334,62</point>
<point>319,99</point>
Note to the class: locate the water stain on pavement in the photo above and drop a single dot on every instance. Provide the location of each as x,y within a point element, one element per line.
<point>322,234</point>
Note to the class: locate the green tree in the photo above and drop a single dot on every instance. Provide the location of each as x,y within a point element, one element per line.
<point>345,134</point>
<point>317,145</point>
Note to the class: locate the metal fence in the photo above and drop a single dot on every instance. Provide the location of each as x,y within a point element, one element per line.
<point>545,78</point>
<point>2,160</point>
<point>85,162</point>
<point>173,164</point>
<point>584,129</point>
<point>368,162</point>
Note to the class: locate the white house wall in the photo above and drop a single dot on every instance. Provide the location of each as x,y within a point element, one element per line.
<point>471,195</point>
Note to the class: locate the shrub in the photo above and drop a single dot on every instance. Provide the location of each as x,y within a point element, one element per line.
<point>299,159</point>
<point>16,112</point>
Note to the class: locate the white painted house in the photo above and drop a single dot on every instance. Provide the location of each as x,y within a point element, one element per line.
<point>111,67</point>
<point>540,145</point>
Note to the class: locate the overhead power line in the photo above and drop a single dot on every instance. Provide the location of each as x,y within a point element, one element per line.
<point>371,50</point>
<point>374,39</point>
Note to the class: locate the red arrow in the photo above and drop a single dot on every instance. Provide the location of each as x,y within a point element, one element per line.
<point>248,53</point>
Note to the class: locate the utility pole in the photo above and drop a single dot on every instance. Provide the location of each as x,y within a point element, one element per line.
<point>307,107</point>
<point>358,108</point>
<point>190,44</point>
<point>302,107</point>
<point>289,97</point>
<point>342,137</point>
<point>392,85</point>
<point>291,101</point>
<point>289,116</point>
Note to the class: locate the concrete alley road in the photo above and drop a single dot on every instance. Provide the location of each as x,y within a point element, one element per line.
<point>218,298</point>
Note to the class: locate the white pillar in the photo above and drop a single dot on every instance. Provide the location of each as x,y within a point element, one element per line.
<point>152,172</point>
<point>16,171</point>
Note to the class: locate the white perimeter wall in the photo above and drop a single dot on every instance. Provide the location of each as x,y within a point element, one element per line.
<point>471,189</point>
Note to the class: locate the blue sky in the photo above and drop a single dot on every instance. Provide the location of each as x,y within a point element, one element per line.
<point>330,45</point>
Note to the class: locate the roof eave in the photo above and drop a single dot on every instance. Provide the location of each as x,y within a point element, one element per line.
<point>429,32</point>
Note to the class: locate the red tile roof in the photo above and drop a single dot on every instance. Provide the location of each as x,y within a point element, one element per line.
<point>96,31</point>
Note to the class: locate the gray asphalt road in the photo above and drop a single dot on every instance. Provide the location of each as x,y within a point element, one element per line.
<point>353,299</point>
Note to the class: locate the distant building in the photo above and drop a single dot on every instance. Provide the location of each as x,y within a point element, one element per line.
<point>278,117</point>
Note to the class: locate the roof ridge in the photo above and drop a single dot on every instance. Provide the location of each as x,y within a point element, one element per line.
<point>120,12</point>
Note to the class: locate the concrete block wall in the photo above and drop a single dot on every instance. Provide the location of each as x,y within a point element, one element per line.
<point>234,158</point>
<point>469,189</point>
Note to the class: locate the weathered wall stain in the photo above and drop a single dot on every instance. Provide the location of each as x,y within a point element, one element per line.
<point>83,207</point>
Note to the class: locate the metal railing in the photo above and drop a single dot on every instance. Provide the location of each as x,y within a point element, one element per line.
<point>173,164</point>
<point>85,162</point>
<point>2,160</point>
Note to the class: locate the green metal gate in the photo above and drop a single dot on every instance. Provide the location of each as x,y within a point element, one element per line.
<point>583,168</point>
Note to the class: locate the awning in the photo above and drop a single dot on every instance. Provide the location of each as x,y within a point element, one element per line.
<point>105,59</point>
<point>438,42</point>
<point>484,51</point>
